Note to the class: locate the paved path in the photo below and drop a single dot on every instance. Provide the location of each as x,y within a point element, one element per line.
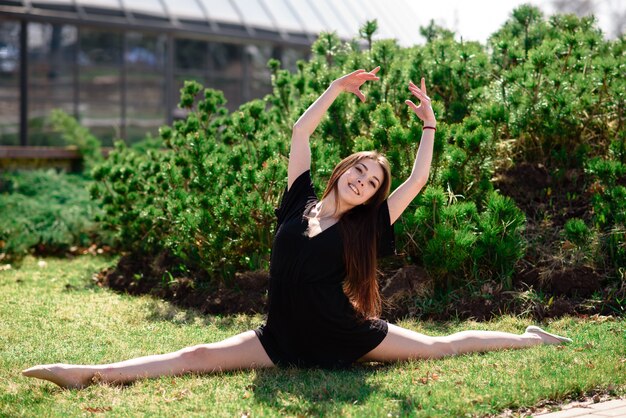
<point>614,408</point>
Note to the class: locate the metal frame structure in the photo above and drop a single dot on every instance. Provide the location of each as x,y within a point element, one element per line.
<point>280,23</point>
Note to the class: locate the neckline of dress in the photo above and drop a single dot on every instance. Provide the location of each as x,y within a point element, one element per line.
<point>322,231</point>
<point>307,218</point>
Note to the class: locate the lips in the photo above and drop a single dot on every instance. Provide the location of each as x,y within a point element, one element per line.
<point>354,189</point>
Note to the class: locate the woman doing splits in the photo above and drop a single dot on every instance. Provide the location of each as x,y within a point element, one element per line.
<point>324,303</point>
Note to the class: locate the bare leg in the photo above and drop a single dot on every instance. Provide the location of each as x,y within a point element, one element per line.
<point>243,351</point>
<point>404,344</point>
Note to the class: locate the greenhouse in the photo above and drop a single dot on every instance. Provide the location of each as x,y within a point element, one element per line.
<point>118,66</point>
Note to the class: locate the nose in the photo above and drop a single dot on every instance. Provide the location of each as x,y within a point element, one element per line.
<point>360,182</point>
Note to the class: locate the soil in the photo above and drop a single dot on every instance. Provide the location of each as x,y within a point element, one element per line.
<point>245,293</point>
<point>549,268</point>
<point>401,287</point>
<point>543,196</point>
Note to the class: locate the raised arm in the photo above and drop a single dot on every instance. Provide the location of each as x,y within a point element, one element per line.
<point>300,153</point>
<point>407,191</point>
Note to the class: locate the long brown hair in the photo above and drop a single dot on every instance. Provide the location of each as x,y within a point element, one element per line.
<point>359,230</point>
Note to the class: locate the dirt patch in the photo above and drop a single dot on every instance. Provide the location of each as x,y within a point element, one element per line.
<point>551,266</point>
<point>579,281</point>
<point>542,195</point>
<point>245,293</point>
<point>401,287</point>
<point>562,280</point>
<point>407,291</point>
<point>526,184</point>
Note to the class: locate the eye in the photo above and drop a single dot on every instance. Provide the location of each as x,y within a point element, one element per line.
<point>359,169</point>
<point>373,184</point>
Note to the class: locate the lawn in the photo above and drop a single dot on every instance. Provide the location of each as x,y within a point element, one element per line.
<point>55,313</point>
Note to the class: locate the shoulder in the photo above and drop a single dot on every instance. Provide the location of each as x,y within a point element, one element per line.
<point>296,197</point>
<point>302,181</point>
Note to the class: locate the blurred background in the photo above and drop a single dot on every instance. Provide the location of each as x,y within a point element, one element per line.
<point>118,66</point>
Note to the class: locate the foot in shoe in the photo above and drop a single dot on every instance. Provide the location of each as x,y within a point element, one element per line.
<point>546,337</point>
<point>64,375</point>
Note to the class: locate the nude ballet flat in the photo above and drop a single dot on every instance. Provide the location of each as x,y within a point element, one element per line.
<point>558,339</point>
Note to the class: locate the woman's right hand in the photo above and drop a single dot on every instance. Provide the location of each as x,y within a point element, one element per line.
<point>352,82</point>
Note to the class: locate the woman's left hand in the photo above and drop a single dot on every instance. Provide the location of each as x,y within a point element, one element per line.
<point>424,111</point>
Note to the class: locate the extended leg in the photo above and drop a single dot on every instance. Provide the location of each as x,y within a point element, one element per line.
<point>243,351</point>
<point>404,344</point>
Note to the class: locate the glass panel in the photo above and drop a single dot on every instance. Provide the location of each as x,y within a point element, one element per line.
<point>9,83</point>
<point>283,15</point>
<point>100,61</point>
<point>190,63</point>
<point>226,72</point>
<point>347,17</point>
<point>254,14</point>
<point>221,11</point>
<point>290,58</point>
<point>260,78</point>
<point>309,16</point>
<point>51,56</point>
<point>215,65</point>
<point>410,21</point>
<point>259,55</point>
<point>225,60</point>
<point>386,27</point>
<point>185,9</point>
<point>357,9</point>
<point>153,7</point>
<point>330,16</point>
<point>190,54</point>
<point>101,4</point>
<point>145,85</point>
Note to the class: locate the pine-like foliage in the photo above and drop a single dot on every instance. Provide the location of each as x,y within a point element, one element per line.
<point>208,198</point>
<point>45,211</point>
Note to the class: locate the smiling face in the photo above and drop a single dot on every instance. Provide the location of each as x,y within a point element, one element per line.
<point>360,182</point>
<point>362,178</point>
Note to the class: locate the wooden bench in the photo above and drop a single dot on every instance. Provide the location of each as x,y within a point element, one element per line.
<point>29,158</point>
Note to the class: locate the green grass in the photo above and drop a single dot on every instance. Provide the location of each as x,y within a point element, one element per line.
<point>56,314</point>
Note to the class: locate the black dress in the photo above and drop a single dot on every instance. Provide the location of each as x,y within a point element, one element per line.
<point>311,322</point>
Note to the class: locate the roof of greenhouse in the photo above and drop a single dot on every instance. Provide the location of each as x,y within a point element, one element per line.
<point>284,21</point>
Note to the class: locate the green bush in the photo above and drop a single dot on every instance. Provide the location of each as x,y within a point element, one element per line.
<point>551,88</point>
<point>577,232</point>
<point>208,198</point>
<point>561,84</point>
<point>74,134</point>
<point>45,211</point>
<point>609,203</point>
<point>558,96</point>
<point>460,245</point>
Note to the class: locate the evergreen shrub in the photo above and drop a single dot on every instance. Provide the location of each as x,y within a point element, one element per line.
<point>609,203</point>
<point>45,211</point>
<point>562,85</point>
<point>551,88</point>
<point>74,134</point>
<point>209,197</point>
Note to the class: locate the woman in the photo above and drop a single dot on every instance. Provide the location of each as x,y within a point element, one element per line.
<point>323,298</point>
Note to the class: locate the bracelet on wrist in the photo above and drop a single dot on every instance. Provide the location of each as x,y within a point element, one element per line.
<point>429,127</point>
